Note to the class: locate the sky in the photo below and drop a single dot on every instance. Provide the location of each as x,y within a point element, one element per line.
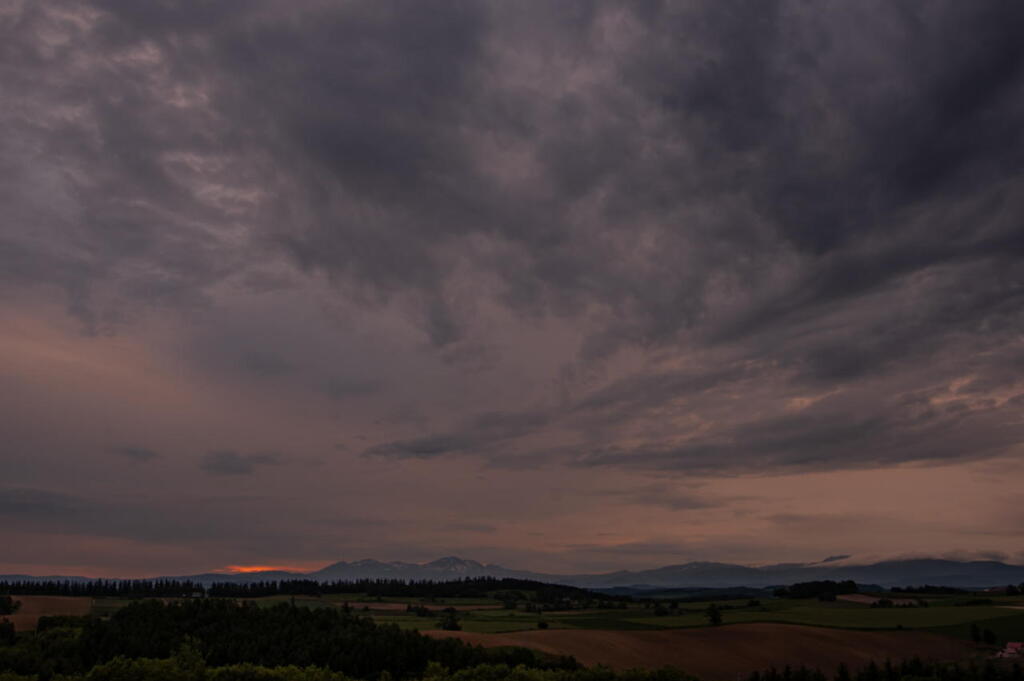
<point>564,286</point>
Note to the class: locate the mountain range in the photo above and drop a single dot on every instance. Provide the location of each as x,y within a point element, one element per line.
<point>965,574</point>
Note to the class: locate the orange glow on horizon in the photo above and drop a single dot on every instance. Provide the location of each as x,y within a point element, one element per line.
<point>238,569</point>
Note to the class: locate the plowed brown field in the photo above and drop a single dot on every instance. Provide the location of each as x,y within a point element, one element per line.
<point>34,607</point>
<point>714,653</point>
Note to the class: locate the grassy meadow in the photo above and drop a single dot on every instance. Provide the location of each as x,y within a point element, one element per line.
<point>845,615</point>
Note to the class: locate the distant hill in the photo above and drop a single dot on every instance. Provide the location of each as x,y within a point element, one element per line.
<point>450,567</point>
<point>969,574</point>
<point>964,574</point>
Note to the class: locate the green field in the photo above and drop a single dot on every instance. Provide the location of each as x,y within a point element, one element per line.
<point>104,607</point>
<point>1005,628</point>
<point>954,620</point>
<point>850,618</point>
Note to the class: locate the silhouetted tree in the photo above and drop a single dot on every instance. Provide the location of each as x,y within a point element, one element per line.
<point>7,635</point>
<point>8,606</point>
<point>714,615</point>
<point>450,620</point>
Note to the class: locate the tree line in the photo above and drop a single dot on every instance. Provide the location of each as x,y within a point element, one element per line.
<point>471,587</point>
<point>475,587</point>
<point>823,589</point>
<point>930,589</point>
<point>100,588</point>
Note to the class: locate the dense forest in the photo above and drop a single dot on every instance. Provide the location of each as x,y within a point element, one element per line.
<point>226,633</point>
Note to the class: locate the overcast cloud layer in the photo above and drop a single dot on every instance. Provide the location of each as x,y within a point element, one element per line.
<point>565,285</point>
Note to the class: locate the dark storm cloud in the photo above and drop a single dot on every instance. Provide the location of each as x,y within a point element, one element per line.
<point>233,463</point>
<point>366,102</point>
<point>883,181</point>
<point>806,216</point>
